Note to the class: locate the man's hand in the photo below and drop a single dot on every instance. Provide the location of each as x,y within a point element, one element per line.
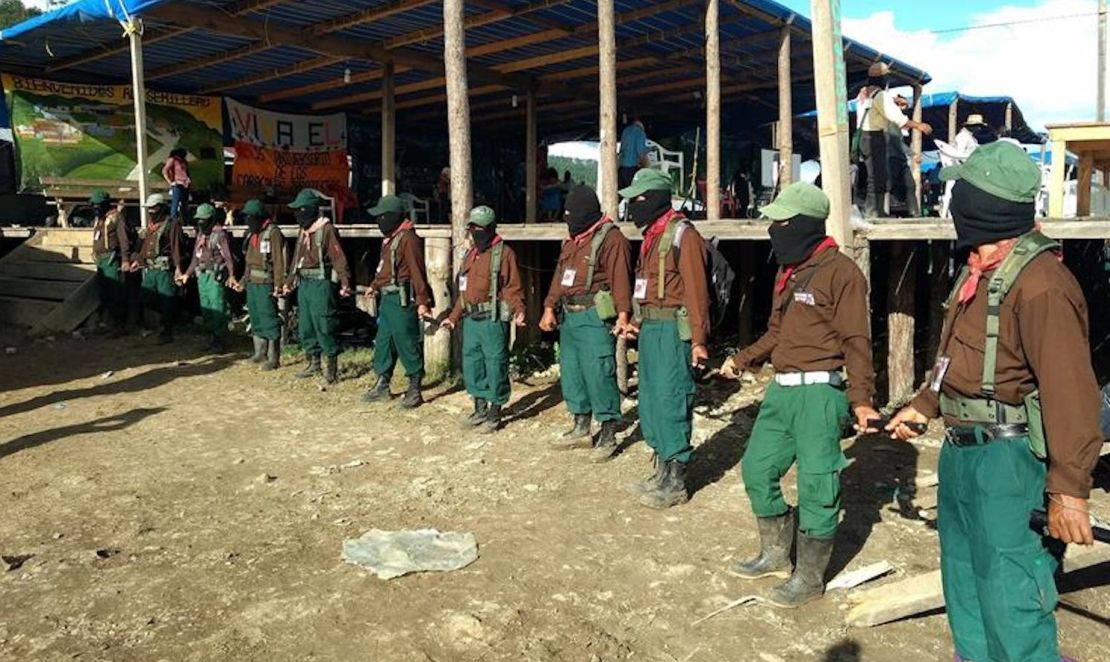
<point>286,289</point>
<point>730,369</point>
<point>926,129</point>
<point>620,325</point>
<point>548,323</point>
<point>865,413</point>
<point>423,312</point>
<point>699,354</point>
<point>898,428</point>
<point>448,324</point>
<point>1069,520</point>
<point>519,320</point>
<point>180,278</point>
<point>235,285</point>
<point>345,291</point>
<point>371,292</point>
<point>631,331</point>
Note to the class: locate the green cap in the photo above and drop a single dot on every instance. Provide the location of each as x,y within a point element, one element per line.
<point>798,199</point>
<point>254,207</point>
<point>204,212</point>
<point>482,216</point>
<point>389,203</point>
<point>646,179</point>
<point>98,197</point>
<point>1000,168</point>
<point>155,199</point>
<point>306,198</point>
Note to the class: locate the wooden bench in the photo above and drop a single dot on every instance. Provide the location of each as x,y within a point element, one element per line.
<point>67,193</point>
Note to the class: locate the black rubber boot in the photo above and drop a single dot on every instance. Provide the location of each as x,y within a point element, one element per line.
<point>808,581</point>
<point>776,536</point>
<point>331,369</point>
<point>481,409</point>
<point>273,355</point>
<point>493,419</point>
<point>606,446</point>
<point>259,350</point>
<point>312,369</point>
<point>413,397</point>
<point>649,483</point>
<point>380,391</point>
<point>671,490</point>
<point>576,437</point>
<point>217,345</point>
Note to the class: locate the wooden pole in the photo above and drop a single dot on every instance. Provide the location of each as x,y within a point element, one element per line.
<point>832,117</point>
<point>1101,110</point>
<point>134,28</point>
<point>389,132</point>
<point>786,111</point>
<point>1083,186</point>
<point>1009,117</point>
<point>900,322</point>
<point>437,345</point>
<point>915,147</point>
<point>1056,177</point>
<point>953,119</point>
<point>530,166</point>
<point>712,111</point>
<point>607,70</point>
<point>458,122</point>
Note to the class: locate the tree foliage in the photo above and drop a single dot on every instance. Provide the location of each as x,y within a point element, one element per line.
<point>13,11</point>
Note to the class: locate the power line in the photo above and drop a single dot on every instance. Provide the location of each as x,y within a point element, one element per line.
<point>1041,19</point>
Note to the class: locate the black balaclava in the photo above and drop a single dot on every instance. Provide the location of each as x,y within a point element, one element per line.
<point>306,216</point>
<point>254,223</point>
<point>582,209</point>
<point>644,212</point>
<point>158,213</point>
<point>101,210</point>
<point>390,221</point>
<point>878,81</point>
<point>204,225</point>
<point>483,237</point>
<point>983,134</point>
<point>794,239</point>
<point>982,218</point>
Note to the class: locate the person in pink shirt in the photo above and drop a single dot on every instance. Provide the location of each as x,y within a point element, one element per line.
<point>176,174</point>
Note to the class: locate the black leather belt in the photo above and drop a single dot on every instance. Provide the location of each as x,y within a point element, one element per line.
<point>977,435</point>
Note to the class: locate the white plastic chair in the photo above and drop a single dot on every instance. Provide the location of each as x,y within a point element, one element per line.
<point>666,160</point>
<point>948,156</point>
<point>421,208</point>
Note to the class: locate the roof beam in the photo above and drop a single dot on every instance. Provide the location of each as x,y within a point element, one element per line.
<point>282,72</point>
<point>495,15</point>
<point>366,16</point>
<point>442,98</point>
<point>374,95</point>
<point>363,77</point>
<point>501,45</point>
<point>207,61</point>
<point>582,72</point>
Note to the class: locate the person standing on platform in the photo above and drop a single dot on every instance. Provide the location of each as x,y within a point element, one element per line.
<point>176,173</point>
<point>820,324</point>
<point>161,257</point>
<point>672,295</point>
<point>112,253</point>
<point>634,152</point>
<point>592,288</point>
<point>264,246</point>
<point>1014,383</point>
<point>318,262</point>
<point>214,266</point>
<point>490,297</point>
<point>404,300</point>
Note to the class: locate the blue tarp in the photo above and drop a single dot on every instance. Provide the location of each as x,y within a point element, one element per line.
<point>82,11</point>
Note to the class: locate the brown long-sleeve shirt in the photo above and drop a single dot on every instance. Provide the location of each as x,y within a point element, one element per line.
<point>208,254</point>
<point>307,256</point>
<point>821,320</point>
<point>410,265</point>
<point>684,281</point>
<point>269,243</point>
<point>476,275</point>
<point>613,270</point>
<point>109,235</point>
<point>1042,343</point>
<point>172,244</point>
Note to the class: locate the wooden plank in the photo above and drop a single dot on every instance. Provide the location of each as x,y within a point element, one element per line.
<point>531,140</point>
<point>24,312</point>
<point>1083,185</point>
<point>72,313</point>
<point>712,112</point>
<point>458,123</point>
<point>832,116</point>
<point>786,111</point>
<point>366,16</point>
<point>58,271</point>
<point>27,288</point>
<point>208,60</point>
<point>138,84</point>
<point>306,90</point>
<point>901,284</point>
<point>274,74</point>
<point>389,132</point>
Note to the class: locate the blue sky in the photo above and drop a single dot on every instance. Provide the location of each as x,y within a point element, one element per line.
<point>916,15</point>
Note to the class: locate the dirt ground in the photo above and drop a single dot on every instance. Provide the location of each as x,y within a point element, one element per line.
<point>176,506</point>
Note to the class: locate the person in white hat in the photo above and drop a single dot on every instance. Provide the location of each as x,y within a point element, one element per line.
<point>973,133</point>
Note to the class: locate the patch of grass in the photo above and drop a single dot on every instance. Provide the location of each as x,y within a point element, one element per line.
<point>355,363</point>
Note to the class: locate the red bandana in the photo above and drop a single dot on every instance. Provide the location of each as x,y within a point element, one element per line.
<point>474,249</point>
<point>583,237</point>
<point>255,238</point>
<point>657,229</point>
<point>977,267</point>
<point>789,270</point>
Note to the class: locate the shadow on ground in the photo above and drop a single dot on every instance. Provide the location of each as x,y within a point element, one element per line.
<point>99,426</point>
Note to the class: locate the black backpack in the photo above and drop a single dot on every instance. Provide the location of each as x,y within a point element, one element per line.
<point>718,274</point>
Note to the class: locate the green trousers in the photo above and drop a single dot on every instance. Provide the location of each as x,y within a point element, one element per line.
<point>263,310</point>
<point>112,285</point>
<point>996,571</point>
<point>666,390</point>
<point>588,366</point>
<point>160,292</point>
<point>213,303</point>
<point>486,359</point>
<point>801,423</point>
<point>399,334</point>
<point>316,316</point>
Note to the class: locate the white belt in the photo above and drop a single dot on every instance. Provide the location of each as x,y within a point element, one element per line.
<point>807,378</point>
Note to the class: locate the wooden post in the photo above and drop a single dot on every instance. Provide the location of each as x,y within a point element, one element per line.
<point>832,117</point>
<point>915,147</point>
<point>712,111</point>
<point>607,77</point>
<point>1083,185</point>
<point>458,123</point>
<point>953,119</point>
<point>389,132</point>
<point>901,282</point>
<point>747,276</point>
<point>786,112</point>
<point>134,29</point>
<point>1101,68</point>
<point>1009,117</point>
<point>1056,179</point>
<point>437,345</point>
<point>530,166</point>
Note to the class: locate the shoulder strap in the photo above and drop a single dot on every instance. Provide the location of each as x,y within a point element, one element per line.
<point>495,272</point>
<point>595,245</point>
<point>1002,281</point>
<point>318,238</point>
<point>671,237</point>
<point>393,245</point>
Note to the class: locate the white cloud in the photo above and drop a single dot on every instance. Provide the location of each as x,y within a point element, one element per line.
<point>1047,66</point>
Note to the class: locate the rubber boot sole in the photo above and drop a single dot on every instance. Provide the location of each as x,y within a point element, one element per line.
<point>793,605</point>
<point>780,574</point>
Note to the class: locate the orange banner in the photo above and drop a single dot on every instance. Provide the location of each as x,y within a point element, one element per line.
<point>258,168</point>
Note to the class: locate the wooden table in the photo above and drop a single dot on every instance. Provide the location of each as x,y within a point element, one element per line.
<point>1090,142</point>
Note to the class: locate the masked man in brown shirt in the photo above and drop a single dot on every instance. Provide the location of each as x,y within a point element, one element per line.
<point>820,324</point>
<point>161,258</point>
<point>112,252</point>
<point>405,300</point>
<point>264,248</point>
<point>592,289</point>
<point>490,296</point>
<point>1014,384</point>
<point>671,293</point>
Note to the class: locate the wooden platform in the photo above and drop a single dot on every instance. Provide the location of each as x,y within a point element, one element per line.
<point>48,283</point>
